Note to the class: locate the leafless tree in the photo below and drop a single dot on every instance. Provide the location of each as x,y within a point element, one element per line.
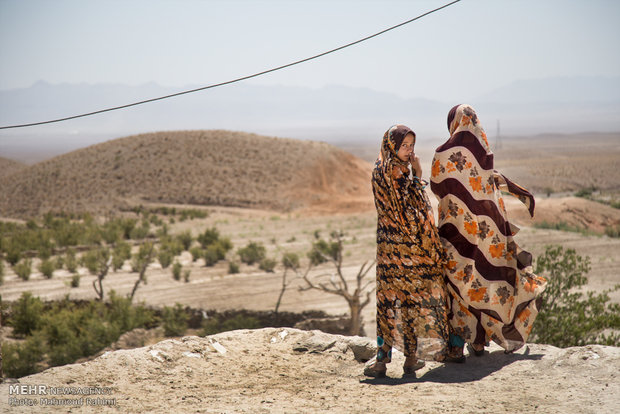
<point>357,296</point>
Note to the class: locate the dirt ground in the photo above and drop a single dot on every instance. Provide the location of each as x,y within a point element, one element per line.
<point>287,370</point>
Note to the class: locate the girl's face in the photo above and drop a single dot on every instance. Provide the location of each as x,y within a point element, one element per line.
<point>406,148</point>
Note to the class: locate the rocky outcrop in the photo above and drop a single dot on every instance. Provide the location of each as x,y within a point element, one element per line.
<point>289,370</point>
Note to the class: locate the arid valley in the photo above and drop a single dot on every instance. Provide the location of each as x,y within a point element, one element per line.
<point>285,194</point>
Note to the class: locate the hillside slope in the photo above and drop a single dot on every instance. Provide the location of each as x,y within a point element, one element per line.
<point>190,167</point>
<point>8,167</point>
<point>288,370</point>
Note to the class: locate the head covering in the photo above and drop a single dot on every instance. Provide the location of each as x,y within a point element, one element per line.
<point>490,278</point>
<point>393,139</point>
<point>411,294</point>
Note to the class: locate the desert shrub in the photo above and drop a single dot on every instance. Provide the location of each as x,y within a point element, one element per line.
<point>211,255</point>
<point>127,316</point>
<point>26,314</point>
<point>322,251</point>
<point>172,245</point>
<point>75,281</point>
<point>59,263</point>
<point>185,239</point>
<point>23,269</point>
<point>252,253</point>
<point>215,325</point>
<point>186,276</point>
<point>196,253</point>
<point>176,270</point>
<point>127,225</point>
<point>586,192</point>
<point>12,252</point>
<point>562,226</point>
<point>165,258</point>
<point>21,359</point>
<point>111,231</point>
<point>90,260</point>
<point>71,261</point>
<point>47,267</point>
<point>139,233</point>
<point>233,268</point>
<point>267,264</point>
<point>121,252</point>
<point>143,257</point>
<point>290,261</point>
<point>174,320</point>
<point>1,271</point>
<point>569,317</point>
<point>45,251</point>
<point>209,237</point>
<point>613,231</point>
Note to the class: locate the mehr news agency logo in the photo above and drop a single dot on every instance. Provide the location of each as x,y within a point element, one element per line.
<point>44,395</point>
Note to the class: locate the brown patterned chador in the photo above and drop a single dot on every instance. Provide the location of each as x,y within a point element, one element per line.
<point>492,289</point>
<point>411,294</point>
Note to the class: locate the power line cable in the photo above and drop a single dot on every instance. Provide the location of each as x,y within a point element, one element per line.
<point>234,80</point>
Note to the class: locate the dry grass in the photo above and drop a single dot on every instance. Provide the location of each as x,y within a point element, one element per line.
<point>190,167</point>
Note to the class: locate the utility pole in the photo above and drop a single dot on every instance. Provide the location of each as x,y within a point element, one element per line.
<point>498,138</point>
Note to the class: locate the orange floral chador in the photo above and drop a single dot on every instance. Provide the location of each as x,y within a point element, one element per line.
<point>493,292</point>
<point>411,294</point>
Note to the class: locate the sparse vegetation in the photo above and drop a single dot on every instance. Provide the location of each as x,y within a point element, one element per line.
<point>75,281</point>
<point>215,325</point>
<point>26,315</point>
<point>65,331</point>
<point>268,265</point>
<point>174,320</point>
<point>252,253</point>
<point>23,269</point>
<point>563,226</point>
<point>176,270</point>
<point>567,316</point>
<point>233,268</point>
<point>47,267</point>
<point>613,231</point>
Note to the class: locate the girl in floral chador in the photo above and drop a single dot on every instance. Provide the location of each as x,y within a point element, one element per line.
<point>493,292</point>
<point>411,294</point>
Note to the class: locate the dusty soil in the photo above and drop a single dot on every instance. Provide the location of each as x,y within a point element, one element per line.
<point>286,370</point>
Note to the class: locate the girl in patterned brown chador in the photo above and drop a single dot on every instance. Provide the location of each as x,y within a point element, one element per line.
<point>493,292</point>
<point>411,294</point>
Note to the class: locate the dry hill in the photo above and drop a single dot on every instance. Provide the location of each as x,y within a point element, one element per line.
<point>191,167</point>
<point>287,370</point>
<point>8,167</point>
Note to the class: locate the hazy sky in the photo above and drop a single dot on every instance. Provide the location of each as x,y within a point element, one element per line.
<point>469,48</point>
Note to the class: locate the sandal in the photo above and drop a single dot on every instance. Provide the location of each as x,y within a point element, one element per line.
<point>411,369</point>
<point>476,352</point>
<point>455,355</point>
<point>378,369</point>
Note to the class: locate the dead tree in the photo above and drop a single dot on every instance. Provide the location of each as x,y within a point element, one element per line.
<point>141,261</point>
<point>358,298</point>
<point>290,261</point>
